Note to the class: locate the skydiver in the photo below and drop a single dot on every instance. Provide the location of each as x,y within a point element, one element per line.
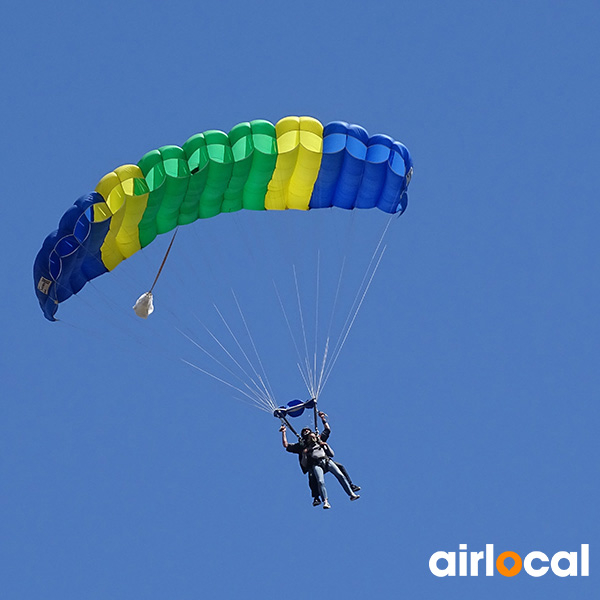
<point>315,459</point>
<point>312,482</point>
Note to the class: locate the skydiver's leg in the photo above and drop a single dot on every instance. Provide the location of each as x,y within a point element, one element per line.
<point>312,484</point>
<point>341,467</point>
<point>353,487</point>
<point>333,468</point>
<point>320,478</point>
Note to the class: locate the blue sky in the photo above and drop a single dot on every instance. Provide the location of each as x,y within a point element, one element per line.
<point>464,401</point>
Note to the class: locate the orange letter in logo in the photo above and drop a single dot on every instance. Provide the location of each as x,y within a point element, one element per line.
<point>516,568</point>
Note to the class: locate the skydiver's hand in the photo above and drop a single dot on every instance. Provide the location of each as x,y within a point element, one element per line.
<point>282,428</point>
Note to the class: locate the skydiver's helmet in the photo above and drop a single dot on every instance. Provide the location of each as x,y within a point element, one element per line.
<point>306,431</point>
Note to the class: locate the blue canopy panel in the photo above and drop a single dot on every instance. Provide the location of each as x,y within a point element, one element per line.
<point>361,171</point>
<point>70,255</point>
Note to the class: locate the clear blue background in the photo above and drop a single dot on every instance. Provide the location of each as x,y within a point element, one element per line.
<point>465,401</point>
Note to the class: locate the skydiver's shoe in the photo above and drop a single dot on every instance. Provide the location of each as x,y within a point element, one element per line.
<point>354,497</point>
<point>355,488</point>
<point>316,502</point>
<point>326,504</point>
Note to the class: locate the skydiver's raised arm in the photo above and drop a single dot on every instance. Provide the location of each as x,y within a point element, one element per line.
<point>325,423</point>
<point>283,436</point>
<point>324,436</point>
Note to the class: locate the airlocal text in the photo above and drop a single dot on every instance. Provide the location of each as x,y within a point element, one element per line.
<point>509,563</point>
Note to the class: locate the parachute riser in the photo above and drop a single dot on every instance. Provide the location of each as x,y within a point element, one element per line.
<point>294,409</point>
<point>285,422</point>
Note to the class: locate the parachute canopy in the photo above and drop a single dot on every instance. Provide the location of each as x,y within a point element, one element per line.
<point>296,164</point>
